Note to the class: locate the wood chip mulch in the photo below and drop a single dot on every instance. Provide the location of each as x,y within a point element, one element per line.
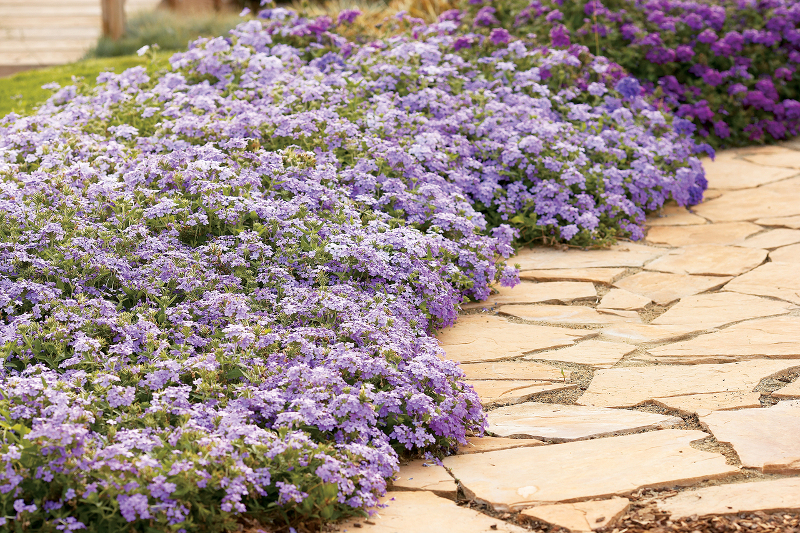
<point>758,522</point>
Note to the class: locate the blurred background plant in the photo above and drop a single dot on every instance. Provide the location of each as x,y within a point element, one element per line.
<point>170,31</point>
<point>374,11</point>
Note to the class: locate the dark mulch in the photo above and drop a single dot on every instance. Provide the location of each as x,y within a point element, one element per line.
<point>757,522</point>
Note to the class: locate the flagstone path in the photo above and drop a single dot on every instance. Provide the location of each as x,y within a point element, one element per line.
<point>658,378</point>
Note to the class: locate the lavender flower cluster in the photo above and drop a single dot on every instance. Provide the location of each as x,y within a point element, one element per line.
<point>730,66</point>
<point>219,284</point>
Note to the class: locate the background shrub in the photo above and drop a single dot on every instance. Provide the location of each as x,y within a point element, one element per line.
<point>170,31</point>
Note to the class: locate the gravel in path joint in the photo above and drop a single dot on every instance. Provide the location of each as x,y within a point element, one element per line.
<point>770,384</point>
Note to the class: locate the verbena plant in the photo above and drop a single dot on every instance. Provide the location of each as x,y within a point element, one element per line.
<point>729,66</point>
<point>220,282</point>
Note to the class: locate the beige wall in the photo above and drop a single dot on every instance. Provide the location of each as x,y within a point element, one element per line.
<point>51,32</point>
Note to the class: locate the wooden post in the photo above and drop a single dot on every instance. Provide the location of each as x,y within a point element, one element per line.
<point>113,18</point>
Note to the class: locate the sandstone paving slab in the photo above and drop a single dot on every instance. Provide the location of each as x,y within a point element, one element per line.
<point>781,199</point>
<point>645,333</point>
<point>767,496</point>
<point>619,255</point>
<point>786,222</point>
<point>709,260</point>
<point>559,423</point>
<point>773,238</point>
<point>664,288</point>
<point>729,171</point>
<point>792,390</point>
<point>514,370</point>
<point>570,314</point>
<point>480,338</point>
<point>598,275</point>
<point>710,194</point>
<point>719,308</point>
<point>779,280</point>
<point>580,517</point>
<point>526,293</point>
<point>513,391</point>
<point>623,300</point>
<point>425,475</point>
<point>629,386</point>
<point>773,156</point>
<point>726,233</point>
<point>764,438</point>
<point>675,215</point>
<point>775,338</point>
<point>425,512</point>
<point>786,254</point>
<point>594,353</point>
<point>492,444</point>
<point>702,404</point>
<point>784,466</point>
<point>589,469</point>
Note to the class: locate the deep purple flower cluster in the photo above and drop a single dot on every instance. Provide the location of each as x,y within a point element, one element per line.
<point>219,284</point>
<point>730,66</point>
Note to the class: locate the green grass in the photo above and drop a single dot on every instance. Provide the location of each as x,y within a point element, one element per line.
<point>22,92</point>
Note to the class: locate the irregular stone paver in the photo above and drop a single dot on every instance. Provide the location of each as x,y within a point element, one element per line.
<point>664,288</point>
<point>493,444</point>
<point>787,222</point>
<point>424,512</point>
<point>773,156</point>
<point>570,314</point>
<point>764,438</point>
<point>727,171</point>
<point>527,293</point>
<point>717,309</point>
<point>792,390</point>
<point>779,280</point>
<point>709,260</point>
<point>775,338</point>
<point>767,496</point>
<point>514,370</point>
<point>580,517</point>
<point>781,199</point>
<point>479,338</point>
<point>787,254</point>
<point>619,255</point>
<point>614,466</point>
<point>713,401</point>
<point>629,386</point>
<point>599,275</point>
<point>674,215</point>
<point>425,475</point>
<point>593,353</point>
<point>507,391</point>
<point>623,300</point>
<point>729,233</point>
<point>647,333</point>
<point>772,239</point>
<point>571,422</point>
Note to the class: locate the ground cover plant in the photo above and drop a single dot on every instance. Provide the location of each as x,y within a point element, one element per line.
<point>219,282</point>
<point>730,66</point>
